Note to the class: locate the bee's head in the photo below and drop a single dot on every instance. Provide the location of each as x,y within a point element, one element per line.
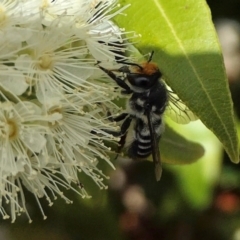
<point>144,76</point>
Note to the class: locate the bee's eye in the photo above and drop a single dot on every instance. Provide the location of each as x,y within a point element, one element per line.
<point>142,82</point>
<point>139,81</point>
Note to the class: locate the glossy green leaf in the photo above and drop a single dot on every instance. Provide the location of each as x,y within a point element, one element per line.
<point>187,50</point>
<point>175,149</point>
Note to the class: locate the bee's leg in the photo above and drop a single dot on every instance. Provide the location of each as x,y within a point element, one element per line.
<point>124,127</point>
<point>118,80</point>
<point>126,91</point>
<point>123,133</point>
<point>118,118</point>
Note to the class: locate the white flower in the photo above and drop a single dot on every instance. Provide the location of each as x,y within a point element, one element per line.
<point>44,11</point>
<point>92,24</point>
<point>74,137</point>
<point>12,81</point>
<point>51,67</point>
<point>11,21</point>
<point>54,102</point>
<point>20,136</point>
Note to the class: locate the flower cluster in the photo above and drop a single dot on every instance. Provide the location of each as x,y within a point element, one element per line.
<point>53,98</point>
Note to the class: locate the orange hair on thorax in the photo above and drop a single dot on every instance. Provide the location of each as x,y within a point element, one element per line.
<point>148,68</point>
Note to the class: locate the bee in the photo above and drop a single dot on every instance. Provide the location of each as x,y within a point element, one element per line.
<point>148,100</point>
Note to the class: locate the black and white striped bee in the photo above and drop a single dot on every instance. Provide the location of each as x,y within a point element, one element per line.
<point>145,109</point>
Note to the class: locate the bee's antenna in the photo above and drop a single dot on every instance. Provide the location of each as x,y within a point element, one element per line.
<point>151,55</point>
<point>131,64</point>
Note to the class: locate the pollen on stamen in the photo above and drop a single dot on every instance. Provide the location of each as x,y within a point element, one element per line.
<point>45,62</point>
<point>12,129</point>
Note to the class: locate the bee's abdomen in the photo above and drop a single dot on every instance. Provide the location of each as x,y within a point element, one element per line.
<point>141,147</point>
<point>139,150</point>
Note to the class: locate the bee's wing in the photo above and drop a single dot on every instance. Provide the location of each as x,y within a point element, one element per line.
<point>155,148</point>
<point>177,110</point>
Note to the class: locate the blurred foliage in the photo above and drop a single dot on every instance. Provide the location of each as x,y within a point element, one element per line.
<point>192,202</point>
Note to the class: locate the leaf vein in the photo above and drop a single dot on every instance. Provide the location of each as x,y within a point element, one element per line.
<point>160,8</point>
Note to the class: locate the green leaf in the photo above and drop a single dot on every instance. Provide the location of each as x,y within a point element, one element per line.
<point>187,51</point>
<point>175,149</point>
